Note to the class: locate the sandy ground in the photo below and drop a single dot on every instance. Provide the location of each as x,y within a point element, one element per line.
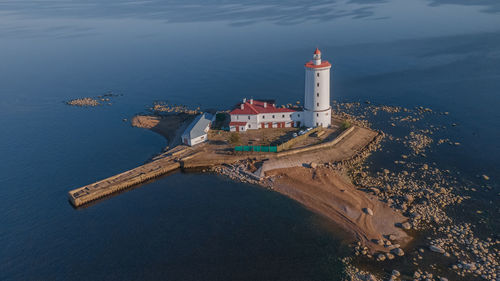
<point>324,191</point>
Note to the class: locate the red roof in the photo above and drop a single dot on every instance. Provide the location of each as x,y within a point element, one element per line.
<point>311,64</point>
<point>237,123</point>
<point>258,107</point>
<point>317,52</point>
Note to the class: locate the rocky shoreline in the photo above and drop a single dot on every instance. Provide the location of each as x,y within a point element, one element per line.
<point>419,190</point>
<point>422,192</point>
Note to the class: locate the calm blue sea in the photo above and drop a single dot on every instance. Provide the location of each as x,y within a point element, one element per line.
<point>442,54</point>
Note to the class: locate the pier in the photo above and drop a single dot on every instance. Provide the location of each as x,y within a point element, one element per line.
<point>166,162</point>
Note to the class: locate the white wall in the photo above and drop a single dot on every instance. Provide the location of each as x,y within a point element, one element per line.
<point>317,107</point>
<point>198,140</point>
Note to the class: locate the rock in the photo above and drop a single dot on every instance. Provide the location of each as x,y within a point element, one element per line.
<point>395,273</point>
<point>469,266</point>
<point>313,165</point>
<point>368,211</point>
<point>380,257</point>
<point>389,256</point>
<point>416,274</point>
<point>391,237</point>
<point>406,225</point>
<point>425,166</point>
<point>409,198</point>
<point>386,171</point>
<point>398,252</point>
<point>443,279</point>
<point>485,177</point>
<point>436,249</point>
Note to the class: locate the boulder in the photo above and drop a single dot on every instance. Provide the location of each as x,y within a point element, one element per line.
<point>406,225</point>
<point>368,211</point>
<point>436,249</point>
<point>380,257</point>
<point>398,252</point>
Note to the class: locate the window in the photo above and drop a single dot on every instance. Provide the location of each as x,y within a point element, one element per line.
<point>249,126</point>
<point>298,115</point>
<point>317,84</point>
<point>283,116</point>
<point>317,74</point>
<point>263,116</point>
<point>273,116</point>
<point>317,104</point>
<point>248,117</point>
<point>317,94</point>
<point>317,114</point>
<point>237,117</point>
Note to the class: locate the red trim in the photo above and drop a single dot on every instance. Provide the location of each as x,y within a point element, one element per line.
<point>311,64</point>
<point>237,123</point>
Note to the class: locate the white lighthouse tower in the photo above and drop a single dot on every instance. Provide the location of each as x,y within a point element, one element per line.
<point>317,110</point>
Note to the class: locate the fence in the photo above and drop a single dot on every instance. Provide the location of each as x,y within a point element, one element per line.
<point>256,148</point>
<point>277,148</point>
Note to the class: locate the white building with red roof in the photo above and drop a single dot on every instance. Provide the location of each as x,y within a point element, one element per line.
<point>256,114</point>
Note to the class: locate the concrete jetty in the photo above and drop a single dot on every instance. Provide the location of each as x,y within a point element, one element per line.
<point>160,165</point>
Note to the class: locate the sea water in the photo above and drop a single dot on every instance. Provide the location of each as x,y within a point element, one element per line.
<point>211,54</point>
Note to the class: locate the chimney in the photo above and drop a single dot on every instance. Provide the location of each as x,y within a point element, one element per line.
<point>251,101</point>
<point>242,106</point>
<point>265,104</point>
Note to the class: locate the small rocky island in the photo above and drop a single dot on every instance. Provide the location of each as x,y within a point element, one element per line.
<point>316,154</point>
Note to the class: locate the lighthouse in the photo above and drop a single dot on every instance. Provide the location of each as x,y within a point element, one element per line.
<point>317,109</point>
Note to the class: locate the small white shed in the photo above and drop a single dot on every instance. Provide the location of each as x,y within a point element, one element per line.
<point>197,131</point>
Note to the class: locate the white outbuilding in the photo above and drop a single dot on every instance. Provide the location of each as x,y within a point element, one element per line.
<point>197,131</point>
